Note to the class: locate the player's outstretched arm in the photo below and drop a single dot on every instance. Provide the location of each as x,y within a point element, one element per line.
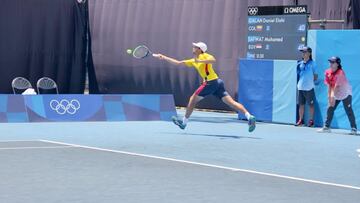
<point>168,59</point>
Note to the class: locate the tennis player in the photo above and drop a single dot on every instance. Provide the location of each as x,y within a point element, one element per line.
<point>339,90</point>
<point>212,85</point>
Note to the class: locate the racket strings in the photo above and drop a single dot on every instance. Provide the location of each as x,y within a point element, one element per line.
<point>141,52</point>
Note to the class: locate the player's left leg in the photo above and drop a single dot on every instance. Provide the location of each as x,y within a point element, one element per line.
<point>222,94</point>
<point>240,108</point>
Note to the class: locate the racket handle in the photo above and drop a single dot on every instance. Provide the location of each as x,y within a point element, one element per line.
<point>159,56</point>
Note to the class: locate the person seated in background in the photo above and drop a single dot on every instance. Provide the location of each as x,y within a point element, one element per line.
<point>306,70</point>
<point>339,90</point>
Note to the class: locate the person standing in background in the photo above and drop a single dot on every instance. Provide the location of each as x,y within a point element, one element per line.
<point>339,90</point>
<point>306,70</point>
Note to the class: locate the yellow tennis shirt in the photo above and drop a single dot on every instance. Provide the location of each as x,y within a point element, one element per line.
<point>206,71</point>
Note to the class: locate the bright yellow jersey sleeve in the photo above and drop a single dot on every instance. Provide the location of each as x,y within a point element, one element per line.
<point>189,62</point>
<point>206,71</point>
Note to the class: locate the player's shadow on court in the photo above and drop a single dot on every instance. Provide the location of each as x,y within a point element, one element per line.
<point>201,119</point>
<point>217,136</point>
<point>223,136</point>
<point>344,133</point>
<point>217,120</point>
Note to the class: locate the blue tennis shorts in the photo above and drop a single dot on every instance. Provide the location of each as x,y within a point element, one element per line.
<point>213,87</point>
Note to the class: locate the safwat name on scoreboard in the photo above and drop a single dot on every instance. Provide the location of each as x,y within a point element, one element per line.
<point>267,39</point>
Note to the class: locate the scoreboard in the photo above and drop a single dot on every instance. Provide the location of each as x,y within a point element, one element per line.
<point>276,32</point>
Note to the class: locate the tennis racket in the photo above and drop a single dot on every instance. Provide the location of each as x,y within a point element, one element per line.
<point>141,52</point>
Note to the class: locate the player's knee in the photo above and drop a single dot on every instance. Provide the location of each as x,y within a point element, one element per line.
<point>228,100</point>
<point>193,100</point>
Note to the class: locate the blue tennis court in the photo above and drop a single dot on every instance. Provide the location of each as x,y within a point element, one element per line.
<point>214,160</point>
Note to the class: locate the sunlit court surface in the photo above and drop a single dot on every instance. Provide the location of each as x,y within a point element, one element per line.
<point>215,160</point>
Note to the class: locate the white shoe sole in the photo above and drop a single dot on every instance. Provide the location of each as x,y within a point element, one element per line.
<point>324,131</point>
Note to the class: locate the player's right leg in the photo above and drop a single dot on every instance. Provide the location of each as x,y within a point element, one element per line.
<point>198,95</point>
<point>194,99</point>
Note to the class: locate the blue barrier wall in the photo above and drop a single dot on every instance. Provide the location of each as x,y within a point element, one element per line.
<point>47,108</point>
<point>346,45</point>
<point>267,88</point>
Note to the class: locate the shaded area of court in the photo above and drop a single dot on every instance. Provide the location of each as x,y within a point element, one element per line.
<point>60,173</point>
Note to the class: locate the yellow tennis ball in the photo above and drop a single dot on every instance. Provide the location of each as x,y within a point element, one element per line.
<point>129,51</point>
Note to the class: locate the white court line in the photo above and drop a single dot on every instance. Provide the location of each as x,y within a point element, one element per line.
<point>208,165</point>
<point>5,141</point>
<point>16,148</point>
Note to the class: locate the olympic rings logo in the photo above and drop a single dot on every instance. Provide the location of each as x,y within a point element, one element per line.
<point>253,11</point>
<point>65,106</point>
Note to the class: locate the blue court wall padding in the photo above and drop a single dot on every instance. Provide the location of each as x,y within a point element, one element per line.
<point>267,88</point>
<point>255,87</point>
<point>12,109</point>
<point>284,91</point>
<point>346,45</point>
<point>72,107</point>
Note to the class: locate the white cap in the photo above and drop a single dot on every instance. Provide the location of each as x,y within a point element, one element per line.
<point>29,91</point>
<point>200,45</point>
